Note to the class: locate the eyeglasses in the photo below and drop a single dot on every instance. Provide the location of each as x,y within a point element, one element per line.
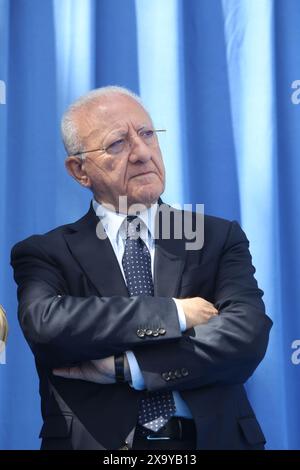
<point>124,144</point>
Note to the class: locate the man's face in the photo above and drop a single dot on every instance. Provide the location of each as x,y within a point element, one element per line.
<point>137,171</point>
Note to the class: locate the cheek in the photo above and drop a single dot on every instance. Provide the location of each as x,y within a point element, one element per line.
<point>117,171</point>
<point>160,164</point>
<point>114,176</point>
<point>108,164</point>
<point>110,169</point>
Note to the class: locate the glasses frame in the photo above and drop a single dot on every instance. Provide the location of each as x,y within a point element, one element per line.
<point>104,149</point>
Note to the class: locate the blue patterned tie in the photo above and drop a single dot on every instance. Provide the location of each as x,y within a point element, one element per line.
<point>156,408</point>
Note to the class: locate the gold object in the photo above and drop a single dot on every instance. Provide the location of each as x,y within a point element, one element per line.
<point>3,325</point>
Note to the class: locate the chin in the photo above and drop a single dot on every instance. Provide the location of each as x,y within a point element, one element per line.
<point>147,195</point>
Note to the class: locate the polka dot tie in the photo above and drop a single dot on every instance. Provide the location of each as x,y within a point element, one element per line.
<point>156,408</point>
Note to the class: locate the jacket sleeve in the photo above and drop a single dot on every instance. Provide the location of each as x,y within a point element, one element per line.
<point>63,330</point>
<point>230,346</point>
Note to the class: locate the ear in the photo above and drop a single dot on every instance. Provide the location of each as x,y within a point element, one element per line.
<point>76,168</point>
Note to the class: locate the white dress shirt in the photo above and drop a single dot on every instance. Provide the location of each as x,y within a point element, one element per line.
<point>116,232</point>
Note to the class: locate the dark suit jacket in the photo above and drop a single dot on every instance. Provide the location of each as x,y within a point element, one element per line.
<point>74,307</point>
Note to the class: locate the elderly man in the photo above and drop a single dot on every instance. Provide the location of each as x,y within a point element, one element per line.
<point>139,342</point>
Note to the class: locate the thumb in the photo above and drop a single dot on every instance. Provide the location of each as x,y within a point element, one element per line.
<point>62,372</point>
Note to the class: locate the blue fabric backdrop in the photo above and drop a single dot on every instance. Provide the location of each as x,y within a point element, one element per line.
<point>218,75</point>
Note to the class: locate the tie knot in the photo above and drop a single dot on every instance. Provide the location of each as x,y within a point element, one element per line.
<point>131,218</point>
<point>133,227</point>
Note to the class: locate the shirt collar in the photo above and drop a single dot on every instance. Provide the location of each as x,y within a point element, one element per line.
<point>112,221</point>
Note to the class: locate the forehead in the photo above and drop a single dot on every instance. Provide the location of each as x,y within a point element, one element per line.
<point>110,113</point>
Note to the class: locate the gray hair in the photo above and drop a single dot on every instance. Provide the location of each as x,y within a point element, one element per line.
<point>71,139</point>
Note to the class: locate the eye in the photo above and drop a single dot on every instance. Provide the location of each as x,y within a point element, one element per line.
<point>116,147</point>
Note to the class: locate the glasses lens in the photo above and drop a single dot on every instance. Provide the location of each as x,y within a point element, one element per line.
<point>117,147</point>
<point>149,136</point>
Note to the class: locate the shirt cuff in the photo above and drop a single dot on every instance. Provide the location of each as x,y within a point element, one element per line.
<point>137,379</point>
<point>181,316</point>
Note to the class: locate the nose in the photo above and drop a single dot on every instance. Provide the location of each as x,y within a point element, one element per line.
<point>139,151</point>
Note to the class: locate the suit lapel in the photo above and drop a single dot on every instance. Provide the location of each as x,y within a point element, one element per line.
<point>169,263</point>
<point>96,257</point>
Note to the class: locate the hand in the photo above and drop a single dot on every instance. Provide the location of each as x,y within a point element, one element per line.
<point>197,311</point>
<point>100,371</point>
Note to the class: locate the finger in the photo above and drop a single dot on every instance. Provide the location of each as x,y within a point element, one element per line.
<point>214,313</point>
<point>62,372</point>
<point>68,372</point>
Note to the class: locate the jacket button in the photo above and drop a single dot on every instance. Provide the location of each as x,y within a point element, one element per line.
<point>166,376</point>
<point>162,331</point>
<point>172,374</point>
<point>184,372</point>
<point>178,374</point>
<point>149,332</point>
<point>155,333</point>
<point>140,333</point>
<point>124,447</point>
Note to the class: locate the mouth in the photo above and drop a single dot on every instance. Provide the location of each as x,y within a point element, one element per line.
<point>145,173</point>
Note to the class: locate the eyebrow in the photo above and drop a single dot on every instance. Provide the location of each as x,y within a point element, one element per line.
<point>120,133</point>
<point>144,126</point>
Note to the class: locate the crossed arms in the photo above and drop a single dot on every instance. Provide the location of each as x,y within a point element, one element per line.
<point>65,331</point>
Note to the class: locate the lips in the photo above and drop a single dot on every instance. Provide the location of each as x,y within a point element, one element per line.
<point>144,174</point>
